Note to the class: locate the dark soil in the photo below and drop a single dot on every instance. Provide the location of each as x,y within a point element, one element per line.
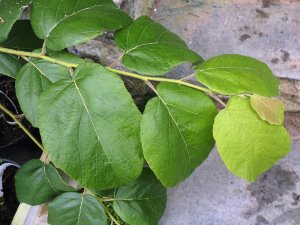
<point>9,134</point>
<point>9,203</point>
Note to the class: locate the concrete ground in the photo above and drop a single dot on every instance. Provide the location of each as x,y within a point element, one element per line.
<point>213,196</point>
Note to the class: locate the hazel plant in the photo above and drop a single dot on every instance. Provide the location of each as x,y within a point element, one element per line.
<point>92,130</point>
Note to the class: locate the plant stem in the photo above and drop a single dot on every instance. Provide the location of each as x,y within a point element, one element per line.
<point>11,115</point>
<point>124,73</point>
<point>36,55</point>
<point>111,216</point>
<point>160,79</point>
<point>116,61</point>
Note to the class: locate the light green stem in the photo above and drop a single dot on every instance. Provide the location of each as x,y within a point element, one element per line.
<point>36,55</point>
<point>129,74</point>
<point>10,114</point>
<point>124,73</point>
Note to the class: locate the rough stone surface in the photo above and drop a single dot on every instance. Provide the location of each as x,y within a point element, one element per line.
<point>213,196</point>
<point>265,29</point>
<point>290,94</point>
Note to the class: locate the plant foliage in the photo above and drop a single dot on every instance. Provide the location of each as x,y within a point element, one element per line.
<point>92,130</point>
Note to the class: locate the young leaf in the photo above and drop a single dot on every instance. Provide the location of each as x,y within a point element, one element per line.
<point>10,12</point>
<point>90,128</point>
<point>37,183</point>
<point>142,202</point>
<point>176,132</point>
<point>248,145</point>
<point>35,77</point>
<point>269,109</point>
<point>75,208</point>
<point>151,49</point>
<point>67,23</point>
<point>237,74</point>
<point>9,65</point>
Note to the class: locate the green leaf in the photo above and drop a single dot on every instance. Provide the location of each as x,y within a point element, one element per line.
<point>90,128</point>
<point>35,77</point>
<point>269,109</point>
<point>37,183</point>
<point>176,132</point>
<point>21,37</point>
<point>9,65</point>
<point>142,202</point>
<point>10,12</point>
<point>237,74</point>
<point>248,145</point>
<point>75,208</point>
<point>152,50</point>
<point>66,23</point>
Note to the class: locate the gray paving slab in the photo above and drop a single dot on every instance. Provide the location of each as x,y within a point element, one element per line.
<point>265,29</point>
<point>213,196</point>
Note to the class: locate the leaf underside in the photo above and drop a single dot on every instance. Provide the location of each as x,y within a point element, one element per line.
<point>269,109</point>
<point>248,145</point>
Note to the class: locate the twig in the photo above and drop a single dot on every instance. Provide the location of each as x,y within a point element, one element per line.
<point>112,65</point>
<point>11,115</point>
<point>217,99</point>
<point>111,216</point>
<point>44,48</point>
<point>188,77</point>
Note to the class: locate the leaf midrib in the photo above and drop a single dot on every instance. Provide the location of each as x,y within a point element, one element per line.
<point>177,125</point>
<point>48,180</point>
<point>231,67</point>
<point>138,199</point>
<point>95,130</point>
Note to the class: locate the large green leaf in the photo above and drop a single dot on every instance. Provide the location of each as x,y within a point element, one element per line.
<point>10,12</point>
<point>35,77</point>
<point>67,23</point>
<point>152,50</point>
<point>9,65</point>
<point>37,183</point>
<point>76,209</point>
<point>248,145</point>
<point>176,132</point>
<point>269,109</point>
<point>90,128</point>
<point>237,74</point>
<point>142,202</point>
